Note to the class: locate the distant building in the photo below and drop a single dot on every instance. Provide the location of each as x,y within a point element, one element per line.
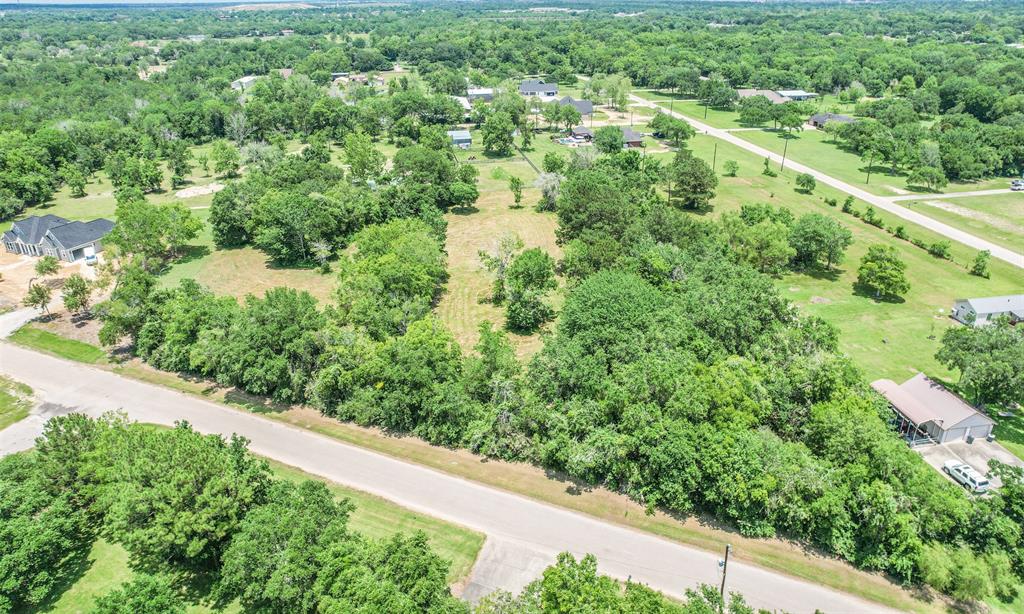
<point>480,93</point>
<point>928,413</point>
<point>582,132</point>
<point>287,32</point>
<point>585,107</point>
<point>631,139</point>
<point>537,87</point>
<point>285,73</point>
<point>796,94</point>
<point>460,138</point>
<point>463,102</point>
<point>819,120</point>
<point>773,97</point>
<point>50,235</point>
<point>981,311</point>
<point>243,83</point>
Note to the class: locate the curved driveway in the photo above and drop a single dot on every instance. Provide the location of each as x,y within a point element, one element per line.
<point>880,202</point>
<point>523,534</point>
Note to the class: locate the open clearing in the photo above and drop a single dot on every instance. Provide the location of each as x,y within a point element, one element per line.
<point>107,565</point>
<point>998,218</point>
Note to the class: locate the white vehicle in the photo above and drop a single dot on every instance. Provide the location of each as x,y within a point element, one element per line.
<point>1017,187</point>
<point>966,476</point>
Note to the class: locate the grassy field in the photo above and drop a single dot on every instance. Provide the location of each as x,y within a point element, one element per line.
<point>816,149</point>
<point>15,401</point>
<point>998,218</point>
<point>108,565</point>
<point>886,339</point>
<point>43,340</point>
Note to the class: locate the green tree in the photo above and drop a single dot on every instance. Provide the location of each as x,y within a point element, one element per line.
<point>38,296</point>
<point>806,182</point>
<point>980,265</point>
<point>75,180</point>
<point>179,161</point>
<point>497,132</point>
<point>77,293</point>
<point>225,157</point>
<point>529,277</point>
<point>609,139</point>
<point>690,180</point>
<point>363,159</point>
<point>498,263</point>
<point>553,163</point>
<point>882,272</point>
<point>985,357</point>
<point>144,594</point>
<point>819,239</point>
<point>515,185</point>
<point>730,168</point>
<point>45,267</point>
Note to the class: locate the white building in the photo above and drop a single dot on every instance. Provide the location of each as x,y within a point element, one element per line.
<point>981,311</point>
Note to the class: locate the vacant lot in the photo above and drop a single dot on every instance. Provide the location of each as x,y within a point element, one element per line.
<point>998,218</point>
<point>107,565</point>
<point>15,401</point>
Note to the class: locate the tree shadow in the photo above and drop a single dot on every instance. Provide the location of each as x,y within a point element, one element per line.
<point>67,574</point>
<point>573,486</point>
<point>470,210</point>
<point>190,253</point>
<point>865,292</point>
<point>822,273</point>
<point>255,403</point>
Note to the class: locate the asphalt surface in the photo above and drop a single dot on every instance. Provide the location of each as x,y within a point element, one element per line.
<point>523,534</point>
<point>881,202</point>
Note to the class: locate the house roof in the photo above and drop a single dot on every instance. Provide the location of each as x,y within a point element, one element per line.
<point>536,86</point>
<point>76,234</point>
<point>629,136</point>
<point>824,118</point>
<point>1013,303</point>
<point>582,131</point>
<point>32,229</point>
<point>585,107</point>
<point>460,135</point>
<point>774,97</point>
<point>463,102</point>
<point>922,401</point>
<point>795,93</point>
<point>480,91</point>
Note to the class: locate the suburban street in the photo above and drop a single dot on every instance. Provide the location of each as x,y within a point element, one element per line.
<point>881,202</point>
<point>523,535</point>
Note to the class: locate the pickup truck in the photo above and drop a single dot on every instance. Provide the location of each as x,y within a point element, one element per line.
<point>966,476</point>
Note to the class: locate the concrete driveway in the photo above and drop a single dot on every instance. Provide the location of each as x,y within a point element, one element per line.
<point>978,455</point>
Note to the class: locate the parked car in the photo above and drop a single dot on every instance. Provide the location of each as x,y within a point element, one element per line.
<point>1017,186</point>
<point>966,476</point>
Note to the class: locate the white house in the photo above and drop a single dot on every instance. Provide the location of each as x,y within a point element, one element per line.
<point>796,94</point>
<point>243,83</point>
<point>981,311</point>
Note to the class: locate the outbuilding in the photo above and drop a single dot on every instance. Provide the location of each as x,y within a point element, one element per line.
<point>926,412</point>
<point>981,311</point>
<point>460,138</point>
<point>818,120</point>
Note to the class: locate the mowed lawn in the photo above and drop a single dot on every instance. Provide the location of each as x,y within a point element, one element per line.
<point>998,218</point>
<point>817,150</point>
<point>107,565</point>
<point>15,401</point>
<point>70,349</point>
<point>886,339</point>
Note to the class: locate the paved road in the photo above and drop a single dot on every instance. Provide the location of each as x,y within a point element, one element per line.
<point>952,195</point>
<point>881,202</point>
<point>523,534</point>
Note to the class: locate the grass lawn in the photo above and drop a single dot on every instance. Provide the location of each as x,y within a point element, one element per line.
<point>45,341</point>
<point>816,149</point>
<point>108,565</point>
<point>998,218</point>
<point>1010,433</point>
<point>885,339</point>
<point>15,401</point>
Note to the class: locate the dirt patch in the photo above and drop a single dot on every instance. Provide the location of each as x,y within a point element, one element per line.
<point>1000,223</point>
<point>200,190</point>
<point>820,300</point>
<point>18,270</point>
<point>80,328</point>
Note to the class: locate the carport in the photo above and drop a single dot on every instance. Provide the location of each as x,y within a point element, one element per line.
<point>927,412</point>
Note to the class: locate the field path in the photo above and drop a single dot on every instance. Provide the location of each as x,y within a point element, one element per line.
<point>523,534</point>
<point>881,202</point>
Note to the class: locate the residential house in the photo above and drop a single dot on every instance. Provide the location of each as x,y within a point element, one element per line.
<point>50,235</point>
<point>925,412</point>
<point>631,139</point>
<point>480,93</point>
<point>460,138</point>
<point>818,120</point>
<point>585,107</point>
<point>244,83</point>
<point>981,311</point>
<point>537,87</point>
<point>773,97</point>
<point>796,94</point>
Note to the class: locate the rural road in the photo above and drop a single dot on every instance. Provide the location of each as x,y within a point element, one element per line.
<point>881,202</point>
<point>952,194</point>
<point>523,535</point>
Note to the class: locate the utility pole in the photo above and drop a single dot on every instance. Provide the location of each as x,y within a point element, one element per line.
<point>871,159</point>
<point>714,158</point>
<point>725,569</point>
<point>785,147</point>
<point>705,109</point>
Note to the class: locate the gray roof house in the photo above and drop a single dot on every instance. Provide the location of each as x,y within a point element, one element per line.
<point>796,94</point>
<point>585,107</point>
<point>631,139</point>
<point>928,413</point>
<point>50,235</point>
<point>773,97</point>
<point>537,87</point>
<point>460,138</point>
<point>482,93</point>
<point>582,132</point>
<point>981,311</point>
<point>818,120</point>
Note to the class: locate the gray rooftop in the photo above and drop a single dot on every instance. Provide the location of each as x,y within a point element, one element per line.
<point>459,135</point>
<point>33,228</point>
<point>922,401</point>
<point>585,107</point>
<point>823,118</point>
<point>76,234</point>
<point>536,86</point>
<point>1013,303</point>
<point>629,136</point>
